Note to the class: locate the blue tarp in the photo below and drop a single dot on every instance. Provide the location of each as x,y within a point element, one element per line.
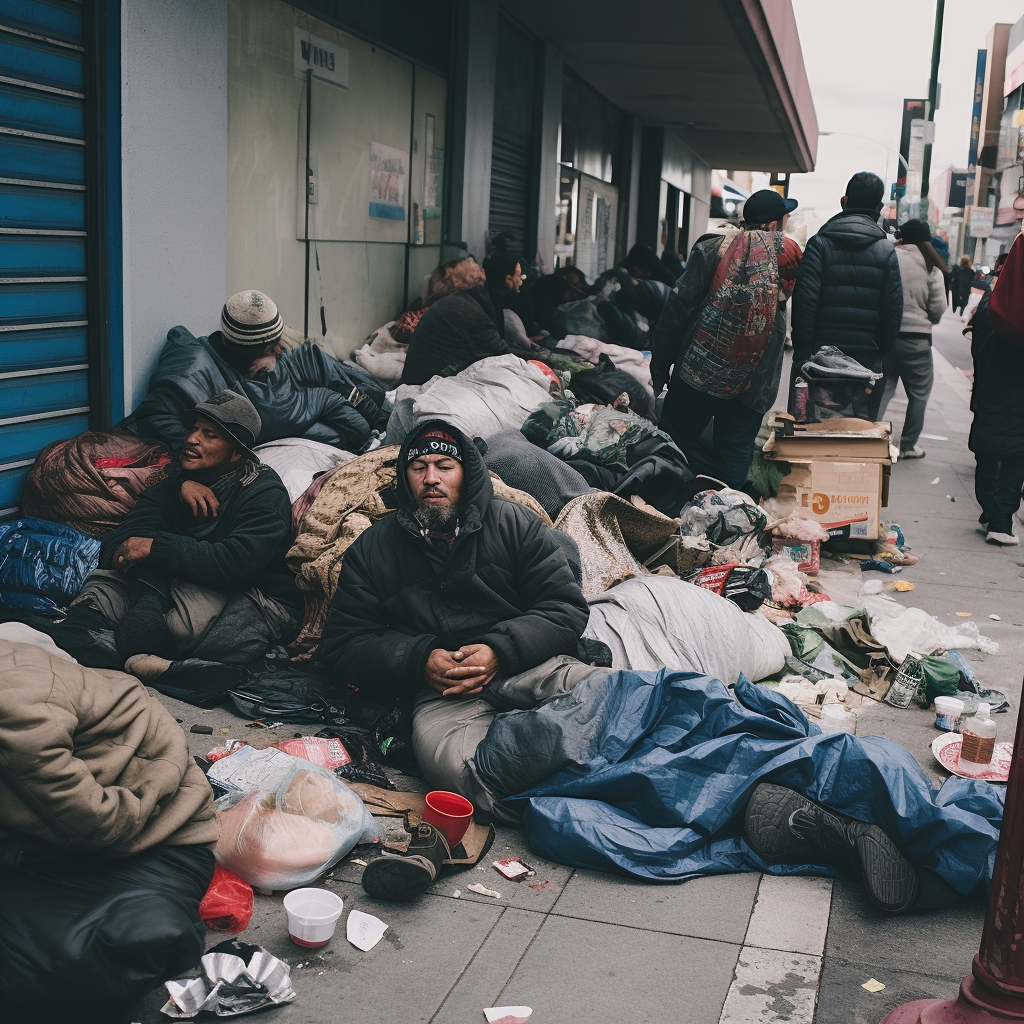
<point>649,773</point>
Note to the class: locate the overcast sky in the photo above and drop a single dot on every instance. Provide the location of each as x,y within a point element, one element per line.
<point>862,60</point>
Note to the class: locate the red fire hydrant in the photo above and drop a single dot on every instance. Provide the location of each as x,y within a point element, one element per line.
<point>994,991</point>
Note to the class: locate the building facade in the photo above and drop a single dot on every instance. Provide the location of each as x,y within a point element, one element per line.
<point>158,155</point>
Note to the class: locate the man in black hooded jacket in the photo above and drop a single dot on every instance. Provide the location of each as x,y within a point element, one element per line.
<point>848,292</point>
<point>461,605</point>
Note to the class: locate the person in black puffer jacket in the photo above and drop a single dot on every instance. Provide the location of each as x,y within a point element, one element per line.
<point>848,292</point>
<point>997,401</point>
<point>461,605</point>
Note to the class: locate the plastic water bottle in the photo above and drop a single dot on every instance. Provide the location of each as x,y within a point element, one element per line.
<point>908,679</point>
<point>979,742</point>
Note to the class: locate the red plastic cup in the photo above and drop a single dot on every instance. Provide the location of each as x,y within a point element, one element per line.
<point>449,813</point>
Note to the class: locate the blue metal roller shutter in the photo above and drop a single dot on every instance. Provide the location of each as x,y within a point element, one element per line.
<point>44,365</point>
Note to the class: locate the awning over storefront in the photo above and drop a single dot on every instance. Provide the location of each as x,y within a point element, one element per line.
<point>726,76</point>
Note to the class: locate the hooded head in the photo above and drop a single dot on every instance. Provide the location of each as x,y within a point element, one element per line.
<point>441,479</point>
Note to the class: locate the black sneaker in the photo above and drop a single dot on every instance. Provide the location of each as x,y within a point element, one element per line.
<point>404,876</point>
<point>784,827</point>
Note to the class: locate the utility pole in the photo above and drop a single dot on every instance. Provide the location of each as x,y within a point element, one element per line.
<point>933,89</point>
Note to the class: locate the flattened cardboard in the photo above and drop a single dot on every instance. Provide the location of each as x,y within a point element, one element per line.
<point>833,439</point>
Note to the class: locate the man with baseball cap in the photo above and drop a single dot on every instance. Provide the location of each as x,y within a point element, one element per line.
<point>197,567</point>
<point>720,342</point>
<point>457,607</point>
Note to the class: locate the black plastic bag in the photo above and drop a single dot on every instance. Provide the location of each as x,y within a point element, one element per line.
<point>83,939</point>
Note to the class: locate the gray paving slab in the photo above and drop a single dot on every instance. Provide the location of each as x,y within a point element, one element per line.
<point>772,986</point>
<point>716,907</point>
<point>583,972</point>
<point>405,977</point>
<point>942,942</point>
<point>490,970</point>
<point>791,914</point>
<point>842,1000</point>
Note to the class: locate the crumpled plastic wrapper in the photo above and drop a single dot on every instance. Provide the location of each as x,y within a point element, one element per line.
<point>230,987</point>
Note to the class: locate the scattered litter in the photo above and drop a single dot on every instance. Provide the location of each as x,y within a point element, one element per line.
<point>507,1014</point>
<point>482,890</point>
<point>880,565</point>
<point>936,480</point>
<point>902,586</point>
<point>873,986</point>
<point>205,730</point>
<point>235,987</point>
<point>513,869</point>
<point>964,615</point>
<point>997,618</point>
<point>951,498</point>
<point>872,587</point>
<point>457,894</point>
<point>359,861</point>
<point>540,885</point>
<point>364,931</point>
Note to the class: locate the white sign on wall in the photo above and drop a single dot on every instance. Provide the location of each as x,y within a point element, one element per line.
<point>980,223</point>
<point>328,60</point>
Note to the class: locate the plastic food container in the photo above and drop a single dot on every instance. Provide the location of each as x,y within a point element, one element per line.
<point>947,713</point>
<point>312,915</point>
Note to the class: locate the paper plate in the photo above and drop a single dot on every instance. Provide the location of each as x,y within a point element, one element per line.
<point>946,749</point>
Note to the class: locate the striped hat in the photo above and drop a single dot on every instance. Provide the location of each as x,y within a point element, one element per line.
<point>251,318</point>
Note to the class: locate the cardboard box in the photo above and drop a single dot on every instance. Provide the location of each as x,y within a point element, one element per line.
<point>838,493</point>
<point>847,439</point>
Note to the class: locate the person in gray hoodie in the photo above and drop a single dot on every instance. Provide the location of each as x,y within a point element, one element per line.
<point>922,271</point>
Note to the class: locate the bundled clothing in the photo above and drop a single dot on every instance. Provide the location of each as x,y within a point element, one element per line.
<point>910,357</point>
<point>722,331</point>
<point>106,824</point>
<point>848,291</point>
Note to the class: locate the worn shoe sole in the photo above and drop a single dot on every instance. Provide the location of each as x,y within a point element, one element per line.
<point>397,878</point>
<point>766,825</point>
<point>890,879</point>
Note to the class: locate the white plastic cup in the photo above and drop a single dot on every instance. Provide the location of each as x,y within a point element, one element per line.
<point>948,712</point>
<point>312,915</point>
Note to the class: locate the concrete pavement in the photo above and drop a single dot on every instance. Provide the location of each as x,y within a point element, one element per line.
<point>581,946</point>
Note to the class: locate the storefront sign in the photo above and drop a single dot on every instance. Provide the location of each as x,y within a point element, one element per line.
<point>328,60</point>
<point>972,148</point>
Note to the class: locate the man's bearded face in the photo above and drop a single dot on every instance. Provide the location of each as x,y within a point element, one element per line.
<point>436,485</point>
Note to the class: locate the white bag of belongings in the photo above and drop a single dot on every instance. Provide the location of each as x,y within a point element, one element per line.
<point>492,395</point>
<point>297,461</point>
<point>382,357</point>
<point>283,820</point>
<point>653,622</point>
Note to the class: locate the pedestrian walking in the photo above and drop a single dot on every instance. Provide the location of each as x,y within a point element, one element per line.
<point>848,291</point>
<point>922,272</point>
<point>997,400</point>
<point>962,279</point>
<point>724,332</point>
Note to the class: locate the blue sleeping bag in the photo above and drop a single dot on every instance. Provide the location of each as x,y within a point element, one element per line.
<point>43,565</point>
<point>648,773</point>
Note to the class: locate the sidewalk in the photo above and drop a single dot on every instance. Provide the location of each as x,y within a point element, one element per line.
<point>580,946</point>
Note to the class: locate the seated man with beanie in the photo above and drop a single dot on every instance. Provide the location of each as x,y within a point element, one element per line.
<point>459,606</point>
<point>197,567</point>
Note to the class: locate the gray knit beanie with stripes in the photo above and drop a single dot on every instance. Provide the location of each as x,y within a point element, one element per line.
<point>251,318</point>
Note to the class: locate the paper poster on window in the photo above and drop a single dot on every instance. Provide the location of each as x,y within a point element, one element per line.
<point>389,177</point>
<point>432,175</point>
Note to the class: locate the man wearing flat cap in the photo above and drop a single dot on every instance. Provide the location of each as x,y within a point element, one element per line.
<point>459,606</point>
<point>197,567</point>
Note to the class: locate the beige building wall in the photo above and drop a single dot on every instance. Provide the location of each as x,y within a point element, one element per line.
<point>361,278</point>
